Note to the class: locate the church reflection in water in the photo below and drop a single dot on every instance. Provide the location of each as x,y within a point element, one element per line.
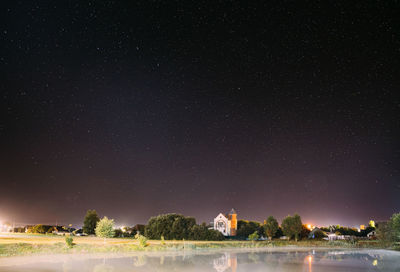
<point>227,262</point>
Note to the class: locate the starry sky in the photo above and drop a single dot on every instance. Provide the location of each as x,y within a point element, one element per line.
<point>136,108</point>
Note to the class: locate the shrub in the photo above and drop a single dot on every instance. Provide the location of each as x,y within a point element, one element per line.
<point>142,240</point>
<point>69,241</point>
<point>202,233</point>
<point>245,228</point>
<point>254,236</point>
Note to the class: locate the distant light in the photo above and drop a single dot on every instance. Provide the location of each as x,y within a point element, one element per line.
<point>310,227</point>
<point>375,262</point>
<point>372,223</point>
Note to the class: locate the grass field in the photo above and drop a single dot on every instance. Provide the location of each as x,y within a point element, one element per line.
<point>23,244</point>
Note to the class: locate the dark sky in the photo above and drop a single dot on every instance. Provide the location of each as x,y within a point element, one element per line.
<point>139,108</point>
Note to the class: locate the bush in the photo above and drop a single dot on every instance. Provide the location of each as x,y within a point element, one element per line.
<point>142,240</point>
<point>119,233</point>
<point>69,241</point>
<point>245,228</point>
<point>254,236</point>
<point>202,233</point>
<point>340,243</point>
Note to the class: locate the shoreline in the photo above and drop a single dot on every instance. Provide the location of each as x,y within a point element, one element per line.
<point>154,247</point>
<point>57,257</point>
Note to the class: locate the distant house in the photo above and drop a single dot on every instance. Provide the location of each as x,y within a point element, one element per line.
<point>28,228</point>
<point>316,233</point>
<point>79,232</point>
<point>334,236</point>
<point>62,231</point>
<point>371,235</point>
<point>226,224</point>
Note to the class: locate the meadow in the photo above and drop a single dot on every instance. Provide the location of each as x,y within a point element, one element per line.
<point>27,244</point>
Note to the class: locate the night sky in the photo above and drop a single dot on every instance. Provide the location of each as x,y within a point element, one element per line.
<point>139,108</point>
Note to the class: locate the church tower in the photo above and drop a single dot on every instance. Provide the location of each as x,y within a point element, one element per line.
<point>233,222</point>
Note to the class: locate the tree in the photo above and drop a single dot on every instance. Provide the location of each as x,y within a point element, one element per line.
<point>118,233</point>
<point>171,226</point>
<point>198,233</point>
<point>105,228</point>
<point>202,233</point>
<point>138,228</point>
<point>90,222</point>
<point>181,227</point>
<point>42,229</point>
<point>292,226</point>
<point>245,228</point>
<point>395,226</point>
<point>271,227</point>
<point>304,233</point>
<point>39,229</point>
<point>383,232</point>
<point>279,233</point>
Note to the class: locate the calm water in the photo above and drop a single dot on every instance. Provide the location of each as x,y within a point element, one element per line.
<point>224,260</point>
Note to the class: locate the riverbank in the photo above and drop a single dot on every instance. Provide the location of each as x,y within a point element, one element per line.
<point>24,244</point>
<point>233,259</point>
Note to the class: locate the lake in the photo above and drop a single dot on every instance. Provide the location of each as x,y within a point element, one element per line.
<point>233,260</point>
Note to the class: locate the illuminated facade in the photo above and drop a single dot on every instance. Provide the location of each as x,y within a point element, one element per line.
<point>226,224</point>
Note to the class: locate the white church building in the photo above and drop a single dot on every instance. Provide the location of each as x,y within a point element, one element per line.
<point>226,224</point>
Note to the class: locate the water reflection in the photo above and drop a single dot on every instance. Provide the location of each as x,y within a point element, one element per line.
<point>140,260</point>
<point>225,262</point>
<point>309,260</point>
<point>103,267</point>
<point>220,261</point>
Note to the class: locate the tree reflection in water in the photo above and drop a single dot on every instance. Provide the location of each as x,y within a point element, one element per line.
<point>221,261</point>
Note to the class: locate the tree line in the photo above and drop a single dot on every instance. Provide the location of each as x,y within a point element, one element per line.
<point>177,227</point>
<point>291,227</point>
<point>166,226</point>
